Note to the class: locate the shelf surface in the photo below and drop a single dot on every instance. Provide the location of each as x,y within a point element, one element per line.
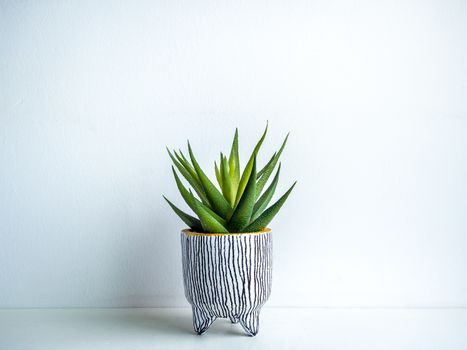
<point>280,328</point>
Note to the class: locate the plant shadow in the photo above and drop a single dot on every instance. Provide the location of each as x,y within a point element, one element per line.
<point>139,321</point>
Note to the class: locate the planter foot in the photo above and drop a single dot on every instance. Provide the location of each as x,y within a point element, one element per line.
<point>250,322</point>
<point>201,320</point>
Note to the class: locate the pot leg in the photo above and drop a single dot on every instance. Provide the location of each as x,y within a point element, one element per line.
<point>250,322</point>
<point>201,320</point>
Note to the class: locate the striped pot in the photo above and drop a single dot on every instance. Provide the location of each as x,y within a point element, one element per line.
<point>227,276</point>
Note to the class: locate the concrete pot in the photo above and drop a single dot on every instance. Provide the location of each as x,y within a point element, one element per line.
<point>227,276</point>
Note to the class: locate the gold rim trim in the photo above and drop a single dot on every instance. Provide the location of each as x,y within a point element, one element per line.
<point>191,233</point>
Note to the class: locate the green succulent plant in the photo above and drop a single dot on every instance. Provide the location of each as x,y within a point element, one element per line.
<point>240,205</point>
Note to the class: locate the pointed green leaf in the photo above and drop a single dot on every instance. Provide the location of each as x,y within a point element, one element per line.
<point>263,202</point>
<point>198,188</point>
<point>248,167</point>
<point>260,173</point>
<point>208,222</point>
<point>183,156</point>
<point>218,174</point>
<point>186,164</point>
<point>242,214</point>
<point>191,199</point>
<point>191,221</point>
<point>268,169</point>
<point>191,180</point>
<point>216,200</point>
<point>227,188</point>
<point>183,191</point>
<point>221,184</point>
<point>265,218</point>
<point>234,165</point>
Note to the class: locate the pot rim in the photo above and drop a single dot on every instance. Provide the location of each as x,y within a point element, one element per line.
<point>190,232</point>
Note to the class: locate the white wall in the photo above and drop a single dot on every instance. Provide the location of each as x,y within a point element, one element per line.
<point>373,92</point>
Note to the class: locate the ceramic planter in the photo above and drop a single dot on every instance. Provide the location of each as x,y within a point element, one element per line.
<point>227,276</point>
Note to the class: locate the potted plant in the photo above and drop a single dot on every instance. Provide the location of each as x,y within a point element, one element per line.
<point>227,251</point>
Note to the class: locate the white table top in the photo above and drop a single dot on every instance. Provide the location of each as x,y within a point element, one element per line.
<point>312,328</point>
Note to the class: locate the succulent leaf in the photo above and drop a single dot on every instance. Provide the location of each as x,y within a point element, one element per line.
<point>191,221</point>
<point>218,174</point>
<point>183,156</point>
<point>265,218</point>
<point>248,167</point>
<point>194,182</point>
<point>208,222</point>
<point>190,199</point>
<point>264,200</point>
<point>268,169</point>
<point>216,200</point>
<point>260,173</point>
<point>234,165</point>
<point>226,181</point>
<point>186,164</point>
<point>183,191</point>
<point>242,214</point>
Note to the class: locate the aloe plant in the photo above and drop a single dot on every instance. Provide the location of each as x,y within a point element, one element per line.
<point>239,204</point>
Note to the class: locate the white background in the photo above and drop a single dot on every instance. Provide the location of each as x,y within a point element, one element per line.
<point>373,92</point>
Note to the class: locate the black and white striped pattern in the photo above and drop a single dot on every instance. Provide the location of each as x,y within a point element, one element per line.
<point>227,275</point>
